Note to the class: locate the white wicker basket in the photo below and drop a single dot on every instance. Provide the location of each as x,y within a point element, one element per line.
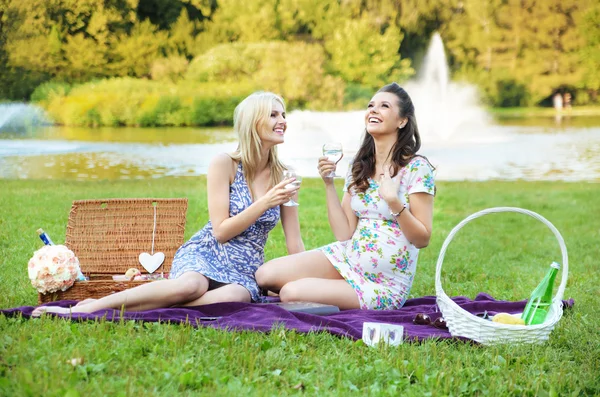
<point>462,323</point>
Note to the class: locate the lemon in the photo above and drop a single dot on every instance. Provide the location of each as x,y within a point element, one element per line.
<point>506,318</point>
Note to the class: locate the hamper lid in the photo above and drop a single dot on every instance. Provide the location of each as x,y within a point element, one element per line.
<point>108,235</point>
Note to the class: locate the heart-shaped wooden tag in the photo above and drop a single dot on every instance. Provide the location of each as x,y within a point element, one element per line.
<point>151,262</point>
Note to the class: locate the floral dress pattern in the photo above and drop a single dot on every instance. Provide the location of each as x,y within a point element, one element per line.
<point>236,261</point>
<point>378,261</point>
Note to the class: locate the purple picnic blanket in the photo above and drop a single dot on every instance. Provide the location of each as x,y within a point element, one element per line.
<point>263,317</point>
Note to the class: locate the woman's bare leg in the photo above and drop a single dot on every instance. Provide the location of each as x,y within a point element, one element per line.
<point>163,293</point>
<point>330,292</point>
<point>86,301</point>
<point>274,274</point>
<point>226,293</point>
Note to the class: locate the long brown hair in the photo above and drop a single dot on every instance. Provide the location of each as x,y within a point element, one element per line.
<point>408,143</point>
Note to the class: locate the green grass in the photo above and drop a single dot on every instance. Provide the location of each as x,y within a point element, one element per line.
<point>505,255</point>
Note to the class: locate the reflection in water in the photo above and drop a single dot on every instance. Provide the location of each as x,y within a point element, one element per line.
<point>549,124</point>
<point>79,166</point>
<point>163,136</point>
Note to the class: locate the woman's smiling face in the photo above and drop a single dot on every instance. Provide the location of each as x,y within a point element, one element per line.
<point>273,129</point>
<point>383,114</point>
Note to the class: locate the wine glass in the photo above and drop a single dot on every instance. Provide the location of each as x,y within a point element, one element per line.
<point>333,152</point>
<point>292,185</point>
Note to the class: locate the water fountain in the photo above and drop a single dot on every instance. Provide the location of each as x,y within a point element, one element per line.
<point>445,109</point>
<point>20,117</point>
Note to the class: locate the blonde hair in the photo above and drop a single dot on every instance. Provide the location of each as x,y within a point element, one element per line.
<point>249,116</point>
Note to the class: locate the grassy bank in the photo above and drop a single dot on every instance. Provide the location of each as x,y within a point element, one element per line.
<point>505,255</point>
<point>523,112</point>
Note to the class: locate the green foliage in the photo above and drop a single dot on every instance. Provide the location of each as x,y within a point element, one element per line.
<point>46,92</point>
<point>503,254</point>
<point>66,39</point>
<point>213,111</point>
<point>519,52</point>
<point>361,54</point>
<point>357,96</point>
<point>590,52</point>
<point>134,102</point>
<point>245,21</point>
<point>17,83</point>
<point>170,69</point>
<point>528,49</point>
<point>135,51</point>
<point>511,93</point>
<point>298,76</point>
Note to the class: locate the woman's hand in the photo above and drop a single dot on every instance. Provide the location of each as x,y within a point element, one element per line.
<point>326,167</point>
<point>389,188</point>
<point>279,194</point>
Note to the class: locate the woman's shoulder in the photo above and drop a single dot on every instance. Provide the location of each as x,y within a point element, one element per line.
<point>224,160</point>
<point>420,162</point>
<point>224,163</point>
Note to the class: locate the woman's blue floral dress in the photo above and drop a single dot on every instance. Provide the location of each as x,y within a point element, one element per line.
<point>236,261</point>
<point>379,262</point>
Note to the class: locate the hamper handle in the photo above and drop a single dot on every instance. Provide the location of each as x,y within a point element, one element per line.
<point>565,261</point>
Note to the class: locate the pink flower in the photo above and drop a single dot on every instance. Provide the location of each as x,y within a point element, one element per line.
<point>53,268</point>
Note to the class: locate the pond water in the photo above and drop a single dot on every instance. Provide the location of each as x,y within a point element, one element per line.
<point>504,149</point>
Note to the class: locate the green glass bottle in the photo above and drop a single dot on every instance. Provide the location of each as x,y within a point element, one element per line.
<point>541,298</point>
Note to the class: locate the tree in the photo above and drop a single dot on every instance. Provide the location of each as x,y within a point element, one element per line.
<point>589,28</point>
<point>299,75</point>
<point>67,39</point>
<point>133,53</point>
<point>361,54</point>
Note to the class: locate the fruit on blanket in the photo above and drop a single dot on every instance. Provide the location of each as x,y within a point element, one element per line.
<point>132,273</point>
<point>506,318</point>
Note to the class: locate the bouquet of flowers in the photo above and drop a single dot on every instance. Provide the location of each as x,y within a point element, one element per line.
<point>53,268</point>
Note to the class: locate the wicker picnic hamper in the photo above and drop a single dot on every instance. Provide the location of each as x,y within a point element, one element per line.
<point>462,323</point>
<point>108,236</point>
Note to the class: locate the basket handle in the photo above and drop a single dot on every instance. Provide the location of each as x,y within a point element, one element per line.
<point>561,242</point>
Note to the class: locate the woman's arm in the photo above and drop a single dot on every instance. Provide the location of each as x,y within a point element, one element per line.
<point>417,222</point>
<point>341,217</point>
<point>219,178</point>
<point>291,229</point>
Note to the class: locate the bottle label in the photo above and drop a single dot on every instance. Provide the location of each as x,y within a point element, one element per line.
<point>46,239</point>
<point>537,313</point>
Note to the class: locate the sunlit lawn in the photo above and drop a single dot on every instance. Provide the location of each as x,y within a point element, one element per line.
<point>504,255</point>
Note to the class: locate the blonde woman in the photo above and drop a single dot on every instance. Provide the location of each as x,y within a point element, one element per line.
<point>385,216</point>
<point>245,197</point>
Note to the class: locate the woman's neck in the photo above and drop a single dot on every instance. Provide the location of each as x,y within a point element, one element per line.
<point>383,147</point>
<point>264,160</point>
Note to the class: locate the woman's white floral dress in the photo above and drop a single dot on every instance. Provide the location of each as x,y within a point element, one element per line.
<point>379,262</point>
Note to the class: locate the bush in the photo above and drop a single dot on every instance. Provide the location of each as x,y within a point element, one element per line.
<point>162,113</point>
<point>356,96</point>
<point>299,76</point>
<point>170,69</point>
<point>17,84</point>
<point>511,94</point>
<point>48,90</point>
<point>214,111</point>
<point>136,102</point>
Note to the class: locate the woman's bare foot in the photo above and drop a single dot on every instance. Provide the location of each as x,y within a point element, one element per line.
<point>38,311</point>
